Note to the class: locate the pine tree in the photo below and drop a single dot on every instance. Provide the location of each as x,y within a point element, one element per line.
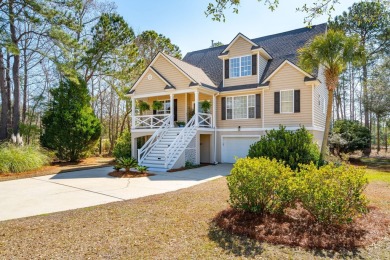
<point>70,127</point>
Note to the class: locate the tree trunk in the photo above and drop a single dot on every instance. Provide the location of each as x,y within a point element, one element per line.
<point>327,123</point>
<point>8,87</point>
<point>378,138</point>
<point>25,90</point>
<point>15,72</point>
<point>4,100</point>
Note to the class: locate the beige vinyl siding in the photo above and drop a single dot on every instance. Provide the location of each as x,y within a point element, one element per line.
<point>234,123</point>
<point>288,78</point>
<point>262,65</point>
<point>240,48</point>
<point>317,137</point>
<point>320,95</point>
<point>171,73</point>
<point>146,86</point>
<point>180,105</point>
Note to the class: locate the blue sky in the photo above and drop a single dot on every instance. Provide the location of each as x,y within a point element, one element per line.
<point>185,23</point>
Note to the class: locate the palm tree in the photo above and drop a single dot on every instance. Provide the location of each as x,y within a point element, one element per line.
<point>332,50</point>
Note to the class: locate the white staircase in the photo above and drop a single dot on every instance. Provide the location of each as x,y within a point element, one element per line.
<point>155,159</point>
<point>167,144</point>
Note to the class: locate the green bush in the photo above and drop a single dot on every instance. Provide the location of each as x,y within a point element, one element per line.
<point>260,185</point>
<point>333,195</point>
<point>292,147</point>
<point>15,158</point>
<point>349,136</point>
<point>122,146</point>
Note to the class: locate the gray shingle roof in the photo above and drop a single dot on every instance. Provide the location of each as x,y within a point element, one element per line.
<point>281,46</point>
<point>193,72</point>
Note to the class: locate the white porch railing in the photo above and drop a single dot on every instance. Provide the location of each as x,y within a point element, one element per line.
<point>180,143</point>
<point>150,121</point>
<point>205,120</point>
<point>148,146</point>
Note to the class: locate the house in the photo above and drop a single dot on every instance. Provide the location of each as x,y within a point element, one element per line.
<point>253,85</point>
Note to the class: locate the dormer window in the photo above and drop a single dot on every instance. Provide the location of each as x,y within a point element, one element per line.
<point>240,66</point>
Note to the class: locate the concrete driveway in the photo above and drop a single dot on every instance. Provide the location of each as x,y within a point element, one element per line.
<point>71,190</point>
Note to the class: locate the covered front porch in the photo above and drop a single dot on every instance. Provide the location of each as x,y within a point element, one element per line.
<point>176,109</point>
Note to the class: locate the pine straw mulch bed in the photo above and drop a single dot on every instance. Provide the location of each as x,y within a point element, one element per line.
<point>60,167</point>
<point>298,228</point>
<point>129,174</point>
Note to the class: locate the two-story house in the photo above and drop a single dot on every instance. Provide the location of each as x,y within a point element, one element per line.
<point>253,85</point>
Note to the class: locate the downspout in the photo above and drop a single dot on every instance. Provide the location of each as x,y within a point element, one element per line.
<point>215,129</point>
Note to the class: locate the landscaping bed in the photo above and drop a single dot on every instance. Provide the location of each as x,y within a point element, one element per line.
<point>59,167</point>
<point>129,174</point>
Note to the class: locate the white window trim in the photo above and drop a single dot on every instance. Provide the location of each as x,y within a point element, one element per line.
<point>239,71</point>
<point>247,107</point>
<point>280,105</point>
<point>164,101</point>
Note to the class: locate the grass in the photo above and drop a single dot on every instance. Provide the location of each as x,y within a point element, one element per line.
<point>376,175</point>
<point>16,159</point>
<point>174,225</point>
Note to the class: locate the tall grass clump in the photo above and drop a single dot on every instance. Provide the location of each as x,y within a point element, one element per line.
<point>14,158</point>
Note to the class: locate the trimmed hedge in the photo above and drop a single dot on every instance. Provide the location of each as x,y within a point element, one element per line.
<point>260,185</point>
<point>332,195</point>
<point>122,146</point>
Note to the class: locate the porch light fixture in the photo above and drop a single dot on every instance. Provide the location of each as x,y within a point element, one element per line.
<point>239,128</point>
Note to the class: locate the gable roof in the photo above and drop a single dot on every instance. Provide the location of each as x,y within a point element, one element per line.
<point>281,46</point>
<point>239,35</point>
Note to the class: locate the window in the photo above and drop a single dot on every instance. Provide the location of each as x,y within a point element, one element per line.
<point>166,107</point>
<point>234,67</point>
<point>240,107</point>
<point>240,67</point>
<point>287,101</point>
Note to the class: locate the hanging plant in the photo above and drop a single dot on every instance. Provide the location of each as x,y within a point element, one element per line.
<point>205,105</point>
<point>143,106</point>
<point>157,105</point>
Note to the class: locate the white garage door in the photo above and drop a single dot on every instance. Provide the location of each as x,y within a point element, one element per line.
<point>236,147</point>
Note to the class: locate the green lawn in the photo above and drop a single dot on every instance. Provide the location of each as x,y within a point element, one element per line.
<point>376,175</point>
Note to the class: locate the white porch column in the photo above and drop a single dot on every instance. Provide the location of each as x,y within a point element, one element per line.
<point>186,108</point>
<point>172,110</point>
<point>214,111</point>
<point>132,113</point>
<point>196,108</point>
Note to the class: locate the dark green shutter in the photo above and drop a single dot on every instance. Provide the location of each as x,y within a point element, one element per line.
<point>226,68</point>
<point>297,101</point>
<point>277,102</point>
<point>254,64</point>
<point>223,108</point>
<point>258,106</point>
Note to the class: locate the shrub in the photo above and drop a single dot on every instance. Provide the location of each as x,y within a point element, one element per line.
<point>332,195</point>
<point>141,168</point>
<point>292,147</point>
<point>349,136</point>
<point>15,158</point>
<point>70,126</point>
<point>260,185</point>
<point>122,146</point>
<point>127,163</point>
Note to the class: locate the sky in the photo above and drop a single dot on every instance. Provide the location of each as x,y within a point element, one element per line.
<point>184,21</point>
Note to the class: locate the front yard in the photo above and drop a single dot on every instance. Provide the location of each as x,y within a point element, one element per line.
<point>172,225</point>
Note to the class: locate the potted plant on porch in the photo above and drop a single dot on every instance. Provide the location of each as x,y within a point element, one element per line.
<point>180,123</point>
<point>157,105</point>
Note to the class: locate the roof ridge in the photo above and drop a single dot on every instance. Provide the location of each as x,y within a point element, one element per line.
<point>257,38</point>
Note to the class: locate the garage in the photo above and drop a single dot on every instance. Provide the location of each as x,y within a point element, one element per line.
<point>233,146</point>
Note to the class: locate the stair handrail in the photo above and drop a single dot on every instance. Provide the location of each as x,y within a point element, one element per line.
<point>179,140</point>
<point>153,140</point>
